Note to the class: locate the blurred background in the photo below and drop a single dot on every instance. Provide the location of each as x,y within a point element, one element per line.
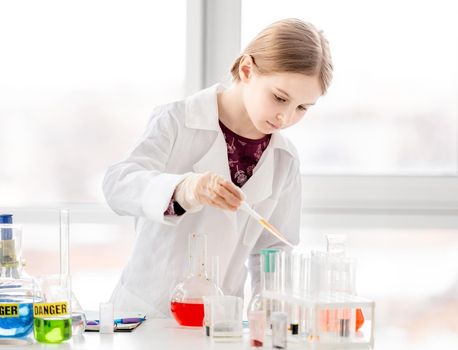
<point>379,153</point>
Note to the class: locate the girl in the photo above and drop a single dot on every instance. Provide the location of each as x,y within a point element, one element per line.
<point>200,157</point>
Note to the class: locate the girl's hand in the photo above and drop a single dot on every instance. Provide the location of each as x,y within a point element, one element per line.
<point>209,188</point>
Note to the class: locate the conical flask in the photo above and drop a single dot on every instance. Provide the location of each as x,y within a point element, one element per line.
<point>186,302</point>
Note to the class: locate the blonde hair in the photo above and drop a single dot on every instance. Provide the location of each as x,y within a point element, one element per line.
<point>290,45</point>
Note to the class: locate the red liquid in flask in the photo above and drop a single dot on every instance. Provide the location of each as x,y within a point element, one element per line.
<point>188,314</point>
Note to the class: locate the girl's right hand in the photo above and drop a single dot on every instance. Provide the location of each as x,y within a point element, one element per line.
<point>209,188</point>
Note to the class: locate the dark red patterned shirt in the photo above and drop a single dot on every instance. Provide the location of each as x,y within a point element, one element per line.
<point>243,154</point>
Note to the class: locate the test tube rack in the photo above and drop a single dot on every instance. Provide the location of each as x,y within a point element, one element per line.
<point>329,320</point>
<point>319,292</point>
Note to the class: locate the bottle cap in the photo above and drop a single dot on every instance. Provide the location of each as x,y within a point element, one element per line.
<point>267,254</point>
<point>6,218</point>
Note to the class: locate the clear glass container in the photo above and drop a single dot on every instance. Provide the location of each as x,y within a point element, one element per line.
<point>10,248</point>
<point>16,310</point>
<point>186,302</point>
<point>52,315</point>
<point>271,281</point>
<point>225,321</point>
<point>79,321</point>
<point>257,325</point>
<point>279,330</point>
<point>16,288</point>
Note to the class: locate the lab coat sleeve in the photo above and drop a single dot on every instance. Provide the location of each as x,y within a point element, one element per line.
<point>139,185</point>
<point>286,218</point>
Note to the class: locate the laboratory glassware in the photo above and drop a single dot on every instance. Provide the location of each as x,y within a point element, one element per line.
<point>10,247</point>
<point>279,330</point>
<point>213,276</point>
<point>293,285</point>
<point>186,302</point>
<point>271,280</point>
<point>225,321</point>
<point>52,314</point>
<point>332,315</point>
<point>257,325</point>
<point>16,310</point>
<point>16,287</point>
<point>78,316</point>
<point>106,317</point>
<point>264,223</point>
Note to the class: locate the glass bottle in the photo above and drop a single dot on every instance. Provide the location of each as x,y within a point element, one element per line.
<point>16,288</point>
<point>186,303</point>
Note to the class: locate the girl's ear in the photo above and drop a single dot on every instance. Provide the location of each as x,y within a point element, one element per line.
<point>246,66</point>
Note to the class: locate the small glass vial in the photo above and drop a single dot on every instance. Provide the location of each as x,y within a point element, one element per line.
<point>106,318</point>
<point>257,324</point>
<point>279,330</point>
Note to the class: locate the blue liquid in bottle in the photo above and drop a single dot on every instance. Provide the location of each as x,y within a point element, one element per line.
<point>19,326</point>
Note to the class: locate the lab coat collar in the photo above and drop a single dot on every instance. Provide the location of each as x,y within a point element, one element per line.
<point>202,113</point>
<point>202,109</point>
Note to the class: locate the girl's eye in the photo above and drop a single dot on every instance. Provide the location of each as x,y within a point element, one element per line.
<point>302,108</point>
<point>279,99</point>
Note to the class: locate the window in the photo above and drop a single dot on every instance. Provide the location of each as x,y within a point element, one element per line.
<point>78,84</point>
<point>392,106</point>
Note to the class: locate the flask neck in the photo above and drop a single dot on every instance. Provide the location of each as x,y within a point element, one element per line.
<point>198,255</point>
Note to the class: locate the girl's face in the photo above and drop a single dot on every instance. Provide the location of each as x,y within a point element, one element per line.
<point>279,100</point>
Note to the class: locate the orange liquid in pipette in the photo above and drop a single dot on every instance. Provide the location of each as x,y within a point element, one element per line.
<point>274,231</point>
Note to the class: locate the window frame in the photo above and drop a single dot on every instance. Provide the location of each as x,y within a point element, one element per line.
<point>430,196</point>
<point>213,41</point>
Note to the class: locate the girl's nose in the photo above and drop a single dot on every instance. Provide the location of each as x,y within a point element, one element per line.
<point>284,118</point>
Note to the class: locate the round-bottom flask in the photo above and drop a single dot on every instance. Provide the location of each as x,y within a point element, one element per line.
<point>186,302</point>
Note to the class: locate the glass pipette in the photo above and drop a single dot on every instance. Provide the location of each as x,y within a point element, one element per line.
<point>264,223</point>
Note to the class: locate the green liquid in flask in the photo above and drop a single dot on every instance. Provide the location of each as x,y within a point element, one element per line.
<point>52,330</point>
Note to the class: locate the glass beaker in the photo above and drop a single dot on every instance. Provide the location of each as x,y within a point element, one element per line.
<point>186,302</point>
<point>225,319</point>
<point>52,315</point>
<point>16,310</point>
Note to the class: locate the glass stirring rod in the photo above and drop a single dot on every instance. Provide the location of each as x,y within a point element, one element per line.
<point>245,206</point>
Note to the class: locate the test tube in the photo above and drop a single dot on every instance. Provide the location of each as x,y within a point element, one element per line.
<point>257,325</point>
<point>106,318</point>
<point>270,279</point>
<point>279,330</point>
<point>214,277</point>
<point>293,284</point>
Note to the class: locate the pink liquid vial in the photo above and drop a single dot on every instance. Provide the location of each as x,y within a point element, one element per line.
<point>257,324</point>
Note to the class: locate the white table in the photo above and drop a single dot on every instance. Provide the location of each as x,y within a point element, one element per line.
<point>160,334</point>
<point>154,334</point>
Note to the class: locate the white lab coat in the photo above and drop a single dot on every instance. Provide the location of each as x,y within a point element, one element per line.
<point>185,137</point>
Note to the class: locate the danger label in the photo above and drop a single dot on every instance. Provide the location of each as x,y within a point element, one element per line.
<point>9,310</point>
<point>50,309</point>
